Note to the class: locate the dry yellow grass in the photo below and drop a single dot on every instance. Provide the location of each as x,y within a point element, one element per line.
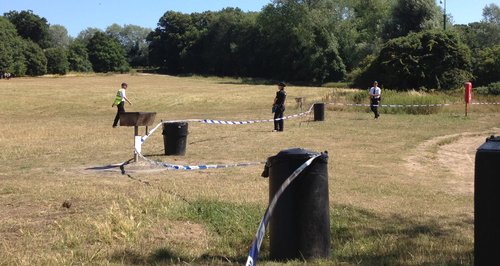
<point>53,128</point>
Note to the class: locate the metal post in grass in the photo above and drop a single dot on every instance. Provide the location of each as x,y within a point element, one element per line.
<point>137,119</point>
<point>486,207</point>
<point>299,227</point>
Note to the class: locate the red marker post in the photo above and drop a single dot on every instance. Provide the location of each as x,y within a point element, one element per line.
<point>467,96</point>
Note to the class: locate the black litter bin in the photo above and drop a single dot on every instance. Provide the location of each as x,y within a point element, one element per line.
<point>319,112</point>
<point>175,138</point>
<point>486,206</point>
<point>299,227</point>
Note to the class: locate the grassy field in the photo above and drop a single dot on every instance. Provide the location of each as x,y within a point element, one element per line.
<point>401,187</point>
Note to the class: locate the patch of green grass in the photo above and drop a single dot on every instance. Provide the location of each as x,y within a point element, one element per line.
<point>368,238</point>
<point>336,85</point>
<point>234,225</point>
<point>424,100</point>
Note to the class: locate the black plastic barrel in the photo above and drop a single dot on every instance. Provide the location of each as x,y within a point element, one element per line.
<point>299,227</point>
<point>319,112</point>
<point>175,138</point>
<point>486,203</point>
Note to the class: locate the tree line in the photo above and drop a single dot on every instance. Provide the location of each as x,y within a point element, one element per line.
<point>401,43</point>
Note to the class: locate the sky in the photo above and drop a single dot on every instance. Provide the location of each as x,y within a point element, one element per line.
<point>77,15</point>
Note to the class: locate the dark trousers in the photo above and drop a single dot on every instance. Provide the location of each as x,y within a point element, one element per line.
<point>374,104</point>
<point>278,124</point>
<point>121,109</point>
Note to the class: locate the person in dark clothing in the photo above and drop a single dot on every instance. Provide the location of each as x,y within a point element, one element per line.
<point>375,93</point>
<point>120,99</point>
<point>279,107</point>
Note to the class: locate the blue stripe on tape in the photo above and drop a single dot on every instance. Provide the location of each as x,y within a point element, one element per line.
<point>259,236</point>
<point>487,103</point>
<point>389,105</point>
<point>223,122</point>
<point>408,105</point>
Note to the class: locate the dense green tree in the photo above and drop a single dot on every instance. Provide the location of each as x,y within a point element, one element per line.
<point>487,66</point>
<point>78,57</point>
<point>59,36</point>
<point>170,40</point>
<point>357,25</point>
<point>411,16</point>
<point>491,14</point>
<point>483,39</point>
<point>430,59</point>
<point>225,39</point>
<point>133,40</point>
<point>106,54</point>
<point>36,62</point>
<point>57,61</point>
<point>85,35</point>
<point>479,35</point>
<point>297,46</point>
<point>11,56</point>
<point>287,40</point>
<point>30,26</point>
<point>195,55</point>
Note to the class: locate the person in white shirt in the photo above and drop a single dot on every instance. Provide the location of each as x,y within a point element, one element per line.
<point>375,98</point>
<point>120,99</point>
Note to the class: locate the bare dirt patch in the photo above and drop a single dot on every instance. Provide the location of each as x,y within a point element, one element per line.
<point>452,156</point>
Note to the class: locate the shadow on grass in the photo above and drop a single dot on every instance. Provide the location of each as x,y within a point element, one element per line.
<point>165,256</point>
<point>366,238</point>
<point>358,237</point>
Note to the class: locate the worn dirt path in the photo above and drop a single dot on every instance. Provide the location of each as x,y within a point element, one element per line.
<point>453,155</point>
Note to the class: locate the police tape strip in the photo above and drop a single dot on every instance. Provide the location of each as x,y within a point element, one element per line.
<point>195,167</point>
<point>259,236</point>
<point>222,122</point>
<point>391,105</point>
<point>497,103</point>
<point>409,105</point>
<point>209,121</point>
<point>225,122</point>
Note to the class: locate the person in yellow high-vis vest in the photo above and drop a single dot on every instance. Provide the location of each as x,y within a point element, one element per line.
<point>120,99</point>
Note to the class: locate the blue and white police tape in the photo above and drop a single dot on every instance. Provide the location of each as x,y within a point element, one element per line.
<point>253,255</point>
<point>224,122</point>
<point>409,105</point>
<point>195,167</point>
<point>497,103</point>
<point>391,105</point>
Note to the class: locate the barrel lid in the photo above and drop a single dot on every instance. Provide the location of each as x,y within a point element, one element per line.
<point>296,152</point>
<point>293,154</point>
<point>492,144</point>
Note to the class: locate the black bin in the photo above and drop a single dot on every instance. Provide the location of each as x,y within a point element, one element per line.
<point>299,227</point>
<point>319,112</point>
<point>175,138</point>
<point>486,203</point>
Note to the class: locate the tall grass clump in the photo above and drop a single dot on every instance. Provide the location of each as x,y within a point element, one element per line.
<point>491,89</point>
<point>415,102</point>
